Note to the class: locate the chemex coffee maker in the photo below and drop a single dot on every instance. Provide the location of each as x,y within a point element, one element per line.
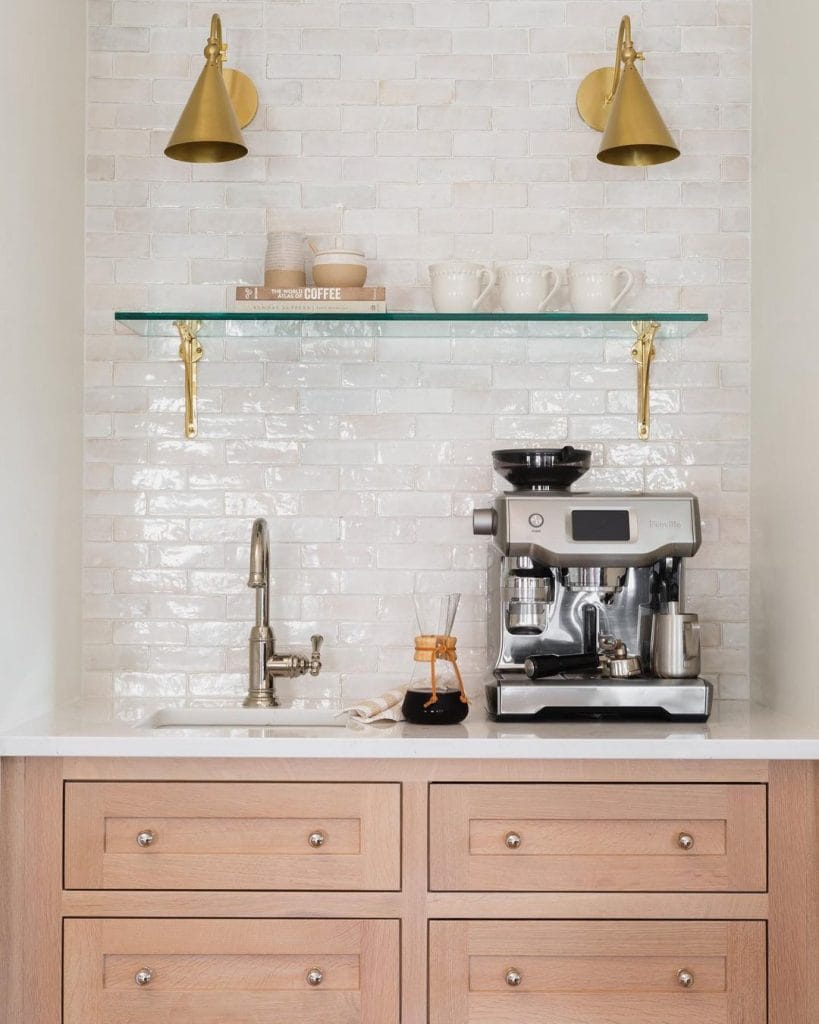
<point>585,592</point>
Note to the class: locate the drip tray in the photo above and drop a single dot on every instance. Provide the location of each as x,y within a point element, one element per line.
<point>517,698</point>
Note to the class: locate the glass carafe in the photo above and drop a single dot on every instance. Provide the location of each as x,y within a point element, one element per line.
<point>435,695</point>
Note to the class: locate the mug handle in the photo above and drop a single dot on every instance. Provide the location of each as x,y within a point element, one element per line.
<point>691,640</point>
<point>629,282</point>
<point>552,290</point>
<point>491,276</point>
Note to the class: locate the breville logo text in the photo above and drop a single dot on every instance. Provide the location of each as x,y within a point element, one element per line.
<point>665,524</point>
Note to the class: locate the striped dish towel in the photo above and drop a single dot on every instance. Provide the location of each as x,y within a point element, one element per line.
<point>387,707</point>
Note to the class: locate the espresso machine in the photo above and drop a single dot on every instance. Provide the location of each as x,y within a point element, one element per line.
<point>585,596</point>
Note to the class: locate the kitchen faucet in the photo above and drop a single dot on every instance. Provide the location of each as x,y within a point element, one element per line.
<point>265,663</point>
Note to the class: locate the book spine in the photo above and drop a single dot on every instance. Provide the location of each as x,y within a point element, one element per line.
<point>283,306</point>
<point>312,294</point>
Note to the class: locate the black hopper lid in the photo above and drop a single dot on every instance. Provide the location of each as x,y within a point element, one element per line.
<point>541,468</point>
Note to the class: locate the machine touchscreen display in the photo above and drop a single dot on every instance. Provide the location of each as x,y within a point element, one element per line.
<point>600,524</point>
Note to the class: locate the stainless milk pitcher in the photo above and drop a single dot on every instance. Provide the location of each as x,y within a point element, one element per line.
<point>675,644</point>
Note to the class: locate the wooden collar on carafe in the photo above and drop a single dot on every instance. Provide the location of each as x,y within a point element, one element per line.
<point>433,648</point>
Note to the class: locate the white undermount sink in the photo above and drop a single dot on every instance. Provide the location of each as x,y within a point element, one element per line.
<point>243,718</point>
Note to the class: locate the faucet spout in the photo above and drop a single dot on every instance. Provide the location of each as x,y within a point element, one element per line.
<point>259,575</point>
<point>265,662</point>
<point>262,642</point>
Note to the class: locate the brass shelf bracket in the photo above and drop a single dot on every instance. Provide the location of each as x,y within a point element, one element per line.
<point>642,353</point>
<point>190,352</point>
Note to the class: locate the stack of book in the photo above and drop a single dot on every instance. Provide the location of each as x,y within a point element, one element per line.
<point>310,300</point>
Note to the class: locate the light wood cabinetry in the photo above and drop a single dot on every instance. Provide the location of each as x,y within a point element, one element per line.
<point>210,835</point>
<point>657,838</point>
<point>215,971</point>
<point>598,972</point>
<point>440,892</point>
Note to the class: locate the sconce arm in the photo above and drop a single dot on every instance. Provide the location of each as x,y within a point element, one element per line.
<point>624,56</point>
<point>215,49</point>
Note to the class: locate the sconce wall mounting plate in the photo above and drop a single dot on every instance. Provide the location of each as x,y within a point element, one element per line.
<point>591,98</point>
<point>242,93</point>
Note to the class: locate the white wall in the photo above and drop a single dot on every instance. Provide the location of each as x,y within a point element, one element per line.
<point>446,129</point>
<point>785,416</point>
<point>42,94</point>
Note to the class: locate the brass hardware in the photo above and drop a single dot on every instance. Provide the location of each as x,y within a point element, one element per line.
<point>642,353</point>
<point>221,104</point>
<point>144,976</point>
<point>242,92</point>
<point>316,839</point>
<point>190,352</point>
<point>513,840</point>
<point>145,838</point>
<point>685,841</point>
<point>513,977</point>
<point>315,976</point>
<point>685,978</point>
<point>615,101</point>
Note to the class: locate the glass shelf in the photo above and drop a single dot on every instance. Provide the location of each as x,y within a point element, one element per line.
<point>554,325</point>
<point>639,329</point>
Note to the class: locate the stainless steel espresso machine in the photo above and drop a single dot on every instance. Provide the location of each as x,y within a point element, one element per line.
<point>585,592</point>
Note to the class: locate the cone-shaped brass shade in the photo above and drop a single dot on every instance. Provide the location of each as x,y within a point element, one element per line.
<point>208,131</point>
<point>618,103</point>
<point>635,135</point>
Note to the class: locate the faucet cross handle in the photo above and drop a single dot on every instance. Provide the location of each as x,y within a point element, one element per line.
<point>316,640</point>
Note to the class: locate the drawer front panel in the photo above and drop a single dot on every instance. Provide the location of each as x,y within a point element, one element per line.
<point>242,971</point>
<point>267,836</point>
<point>597,972</point>
<point>597,838</point>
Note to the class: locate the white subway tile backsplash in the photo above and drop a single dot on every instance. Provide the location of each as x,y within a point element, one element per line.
<point>446,131</point>
<point>385,425</point>
<point>474,13</point>
<point>149,581</point>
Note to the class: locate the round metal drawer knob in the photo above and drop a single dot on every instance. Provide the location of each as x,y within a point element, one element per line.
<point>513,978</point>
<point>144,976</point>
<point>317,839</point>
<point>685,841</point>
<point>685,978</point>
<point>315,976</point>
<point>513,840</point>
<point>145,838</point>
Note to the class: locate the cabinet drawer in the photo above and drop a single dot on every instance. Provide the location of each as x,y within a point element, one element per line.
<point>597,972</point>
<point>242,971</point>
<point>578,837</point>
<point>212,835</point>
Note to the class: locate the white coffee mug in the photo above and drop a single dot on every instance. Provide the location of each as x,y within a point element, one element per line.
<point>593,287</point>
<point>526,287</point>
<point>458,286</point>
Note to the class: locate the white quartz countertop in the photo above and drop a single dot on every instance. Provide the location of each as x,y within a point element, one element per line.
<point>736,730</point>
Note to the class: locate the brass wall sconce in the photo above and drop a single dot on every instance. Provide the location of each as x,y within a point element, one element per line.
<point>223,102</point>
<point>615,101</point>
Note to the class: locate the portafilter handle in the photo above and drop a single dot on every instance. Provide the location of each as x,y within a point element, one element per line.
<point>541,666</point>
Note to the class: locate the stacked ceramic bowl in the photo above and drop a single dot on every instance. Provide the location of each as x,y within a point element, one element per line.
<point>284,260</point>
